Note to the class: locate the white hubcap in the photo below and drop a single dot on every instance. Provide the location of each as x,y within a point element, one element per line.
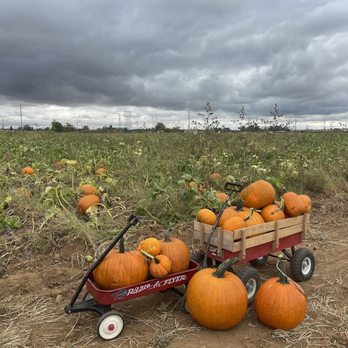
<point>306,265</point>
<point>110,327</point>
<point>251,287</point>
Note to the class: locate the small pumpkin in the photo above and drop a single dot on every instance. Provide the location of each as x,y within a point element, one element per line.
<point>221,196</point>
<point>206,216</point>
<point>272,212</point>
<point>177,251</point>
<point>254,218</point>
<point>150,245</point>
<point>160,266</point>
<point>293,205</point>
<point>234,223</point>
<point>216,298</point>
<point>279,303</point>
<point>100,171</point>
<point>88,189</point>
<point>121,268</point>
<point>215,177</point>
<point>27,171</point>
<point>227,214</point>
<point>86,202</point>
<point>258,194</point>
<point>307,202</point>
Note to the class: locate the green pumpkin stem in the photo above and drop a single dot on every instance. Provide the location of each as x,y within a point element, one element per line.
<point>281,268</point>
<point>223,267</point>
<point>121,246</point>
<point>149,256</point>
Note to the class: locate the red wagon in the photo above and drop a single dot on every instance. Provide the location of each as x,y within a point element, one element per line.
<point>110,323</point>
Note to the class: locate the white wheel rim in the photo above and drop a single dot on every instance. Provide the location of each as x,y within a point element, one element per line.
<point>251,287</point>
<point>306,266</point>
<point>110,327</point>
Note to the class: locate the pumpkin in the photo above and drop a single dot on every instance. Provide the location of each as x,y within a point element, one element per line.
<point>254,218</point>
<point>272,212</point>
<point>307,202</point>
<point>206,216</point>
<point>227,214</point>
<point>177,251</point>
<point>195,187</point>
<point>88,189</point>
<point>120,268</point>
<point>27,171</point>
<point>258,194</point>
<point>215,176</point>
<point>234,223</point>
<point>160,266</point>
<point>279,303</point>
<point>150,245</point>
<point>221,196</point>
<point>293,205</point>
<point>100,171</point>
<point>87,201</point>
<point>217,299</point>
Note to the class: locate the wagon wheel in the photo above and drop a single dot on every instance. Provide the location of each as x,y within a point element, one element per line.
<point>260,261</point>
<point>183,305</point>
<point>251,280</point>
<point>110,325</point>
<point>302,264</point>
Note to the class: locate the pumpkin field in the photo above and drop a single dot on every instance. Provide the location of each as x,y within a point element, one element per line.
<point>48,232</point>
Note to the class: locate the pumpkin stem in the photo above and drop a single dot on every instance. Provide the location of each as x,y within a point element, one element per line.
<point>121,246</point>
<point>220,271</point>
<point>281,206</point>
<point>281,268</point>
<point>149,255</point>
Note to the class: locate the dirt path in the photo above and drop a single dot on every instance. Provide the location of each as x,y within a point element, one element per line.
<point>33,293</point>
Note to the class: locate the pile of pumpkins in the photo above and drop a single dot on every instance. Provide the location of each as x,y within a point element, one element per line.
<point>158,258</point>
<point>259,205</point>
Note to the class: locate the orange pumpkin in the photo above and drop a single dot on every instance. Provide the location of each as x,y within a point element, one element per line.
<point>279,303</point>
<point>258,194</point>
<point>160,266</point>
<point>100,171</point>
<point>177,251</point>
<point>217,299</point>
<point>307,202</point>
<point>206,216</point>
<point>227,214</point>
<point>120,268</point>
<point>254,218</point>
<point>87,201</point>
<point>234,223</point>
<point>221,196</point>
<point>27,171</point>
<point>150,245</point>
<point>215,176</point>
<point>293,205</point>
<point>88,189</point>
<point>272,212</point>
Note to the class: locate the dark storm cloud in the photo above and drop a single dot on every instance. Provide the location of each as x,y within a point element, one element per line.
<point>177,54</point>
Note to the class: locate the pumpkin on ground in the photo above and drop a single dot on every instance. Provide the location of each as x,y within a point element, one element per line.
<point>279,303</point>
<point>215,176</point>
<point>177,251</point>
<point>160,266</point>
<point>293,205</point>
<point>217,299</point>
<point>272,212</point>
<point>121,268</point>
<point>258,194</point>
<point>100,171</point>
<point>307,202</point>
<point>206,216</point>
<point>151,246</point>
<point>86,202</point>
<point>221,196</point>
<point>88,189</point>
<point>27,171</point>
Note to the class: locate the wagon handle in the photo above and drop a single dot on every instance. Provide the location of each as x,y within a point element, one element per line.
<point>230,187</point>
<point>131,221</point>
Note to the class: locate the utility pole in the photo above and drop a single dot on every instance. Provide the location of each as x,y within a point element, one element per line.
<point>20,112</point>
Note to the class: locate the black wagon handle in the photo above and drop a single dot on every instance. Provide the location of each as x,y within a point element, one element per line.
<point>131,221</point>
<point>230,188</point>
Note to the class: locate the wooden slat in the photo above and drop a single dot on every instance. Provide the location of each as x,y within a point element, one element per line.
<point>243,244</point>
<point>220,241</point>
<point>276,236</point>
<point>227,237</point>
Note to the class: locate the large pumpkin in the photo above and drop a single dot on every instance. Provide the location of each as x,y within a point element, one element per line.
<point>206,216</point>
<point>120,268</point>
<point>293,205</point>
<point>279,303</point>
<point>177,251</point>
<point>87,201</point>
<point>217,299</point>
<point>258,194</point>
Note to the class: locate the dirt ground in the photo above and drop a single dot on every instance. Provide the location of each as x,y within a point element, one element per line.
<point>34,291</point>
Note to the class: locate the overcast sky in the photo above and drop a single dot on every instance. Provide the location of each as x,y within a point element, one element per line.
<point>101,62</point>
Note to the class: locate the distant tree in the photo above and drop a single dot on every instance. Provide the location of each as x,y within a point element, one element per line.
<point>57,126</point>
<point>26,127</point>
<point>160,127</point>
<point>85,128</point>
<point>69,127</point>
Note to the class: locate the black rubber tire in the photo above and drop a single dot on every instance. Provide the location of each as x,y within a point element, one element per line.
<point>261,261</point>
<point>302,265</point>
<point>251,280</point>
<point>183,305</point>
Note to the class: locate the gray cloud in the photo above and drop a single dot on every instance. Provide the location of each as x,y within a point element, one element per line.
<point>153,55</point>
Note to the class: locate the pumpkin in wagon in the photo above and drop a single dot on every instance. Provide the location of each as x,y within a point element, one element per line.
<point>206,216</point>
<point>216,298</point>
<point>258,194</point>
<point>150,245</point>
<point>293,205</point>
